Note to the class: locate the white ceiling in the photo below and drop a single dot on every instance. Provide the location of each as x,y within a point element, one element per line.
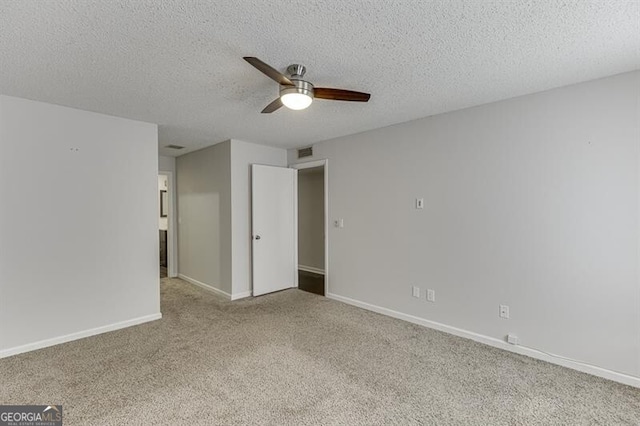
<point>179,63</point>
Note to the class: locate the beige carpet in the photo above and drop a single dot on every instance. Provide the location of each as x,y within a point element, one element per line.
<point>294,358</point>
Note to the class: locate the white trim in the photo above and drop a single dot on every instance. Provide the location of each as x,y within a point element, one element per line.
<point>172,241</point>
<point>242,295</point>
<point>212,289</point>
<point>295,226</point>
<point>308,165</point>
<point>78,335</point>
<point>496,343</point>
<point>310,269</point>
<point>252,266</point>
<point>326,226</point>
<point>205,286</point>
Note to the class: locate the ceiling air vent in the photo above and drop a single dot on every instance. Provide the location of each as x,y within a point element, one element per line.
<point>174,146</point>
<point>305,152</point>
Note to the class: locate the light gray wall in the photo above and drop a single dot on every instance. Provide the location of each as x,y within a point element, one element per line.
<point>311,217</point>
<point>243,154</point>
<point>214,213</point>
<point>204,216</point>
<point>81,252</point>
<point>531,202</point>
<point>166,164</point>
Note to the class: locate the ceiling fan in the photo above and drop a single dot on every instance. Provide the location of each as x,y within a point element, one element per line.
<point>296,93</point>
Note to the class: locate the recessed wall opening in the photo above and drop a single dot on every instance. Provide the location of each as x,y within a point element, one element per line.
<point>163,224</point>
<point>312,228</point>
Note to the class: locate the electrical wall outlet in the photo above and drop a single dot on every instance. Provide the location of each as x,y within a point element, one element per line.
<point>431,295</point>
<point>419,203</point>
<point>504,311</point>
<point>512,338</point>
<point>338,223</point>
<point>416,291</point>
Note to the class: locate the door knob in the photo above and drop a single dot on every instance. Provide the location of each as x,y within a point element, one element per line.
<point>257,237</point>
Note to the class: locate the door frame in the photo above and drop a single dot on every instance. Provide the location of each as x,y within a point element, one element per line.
<point>307,165</point>
<point>172,246</point>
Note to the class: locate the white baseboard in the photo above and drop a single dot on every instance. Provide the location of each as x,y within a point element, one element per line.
<point>242,295</point>
<point>212,289</point>
<point>205,286</point>
<point>79,335</point>
<point>311,269</point>
<point>496,343</point>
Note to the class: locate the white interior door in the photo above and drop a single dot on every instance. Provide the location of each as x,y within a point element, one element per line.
<point>274,195</point>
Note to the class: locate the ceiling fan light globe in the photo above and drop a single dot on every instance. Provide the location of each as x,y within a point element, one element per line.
<point>296,101</point>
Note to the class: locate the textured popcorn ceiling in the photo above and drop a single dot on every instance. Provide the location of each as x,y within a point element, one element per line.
<point>179,63</point>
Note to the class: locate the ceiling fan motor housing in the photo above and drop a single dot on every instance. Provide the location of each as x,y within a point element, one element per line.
<point>299,86</point>
<point>296,70</point>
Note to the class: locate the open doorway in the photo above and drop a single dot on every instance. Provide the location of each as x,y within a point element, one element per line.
<point>167,225</point>
<point>312,249</point>
<point>163,224</point>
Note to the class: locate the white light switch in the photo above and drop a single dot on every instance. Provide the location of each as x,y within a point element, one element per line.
<point>504,311</point>
<point>338,223</point>
<point>431,295</point>
<point>416,291</point>
<point>419,203</point>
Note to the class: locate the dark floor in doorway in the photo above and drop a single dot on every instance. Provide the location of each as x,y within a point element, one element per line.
<point>163,272</point>
<point>313,283</point>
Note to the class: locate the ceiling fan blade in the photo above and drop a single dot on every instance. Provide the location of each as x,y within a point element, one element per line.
<point>268,71</point>
<point>273,106</point>
<point>340,94</point>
